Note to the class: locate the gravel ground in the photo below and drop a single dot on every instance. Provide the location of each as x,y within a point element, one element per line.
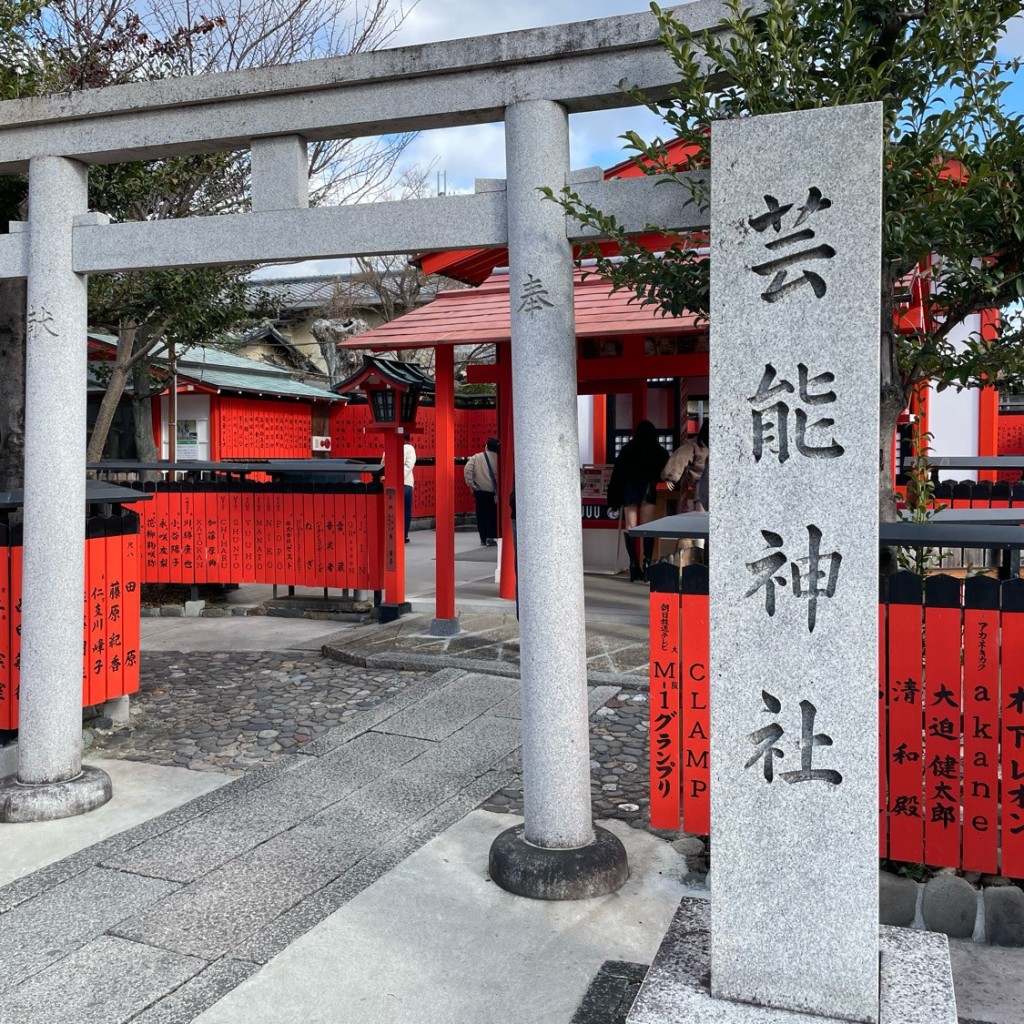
<point>226,712</point>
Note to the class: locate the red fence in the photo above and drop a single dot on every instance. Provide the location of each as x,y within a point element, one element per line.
<point>309,535</point>
<point>351,440</point>
<point>258,428</point>
<point>110,621</point>
<point>951,717</point>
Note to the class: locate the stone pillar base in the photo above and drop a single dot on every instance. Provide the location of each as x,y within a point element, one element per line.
<point>916,983</point>
<point>118,709</point>
<point>45,802</point>
<point>521,868</point>
<point>445,627</point>
<point>388,612</point>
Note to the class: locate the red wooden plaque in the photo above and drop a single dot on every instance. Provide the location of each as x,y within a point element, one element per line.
<point>943,729</point>
<point>6,686</point>
<point>883,731</point>
<point>696,732</point>
<point>1012,733</point>
<point>665,755</point>
<point>981,725</point>
<point>131,617</point>
<point>904,747</point>
<point>17,552</point>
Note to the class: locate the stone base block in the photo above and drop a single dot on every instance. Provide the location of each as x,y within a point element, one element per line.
<point>20,802</point>
<point>521,868</point>
<point>119,710</point>
<point>445,627</point>
<point>8,759</point>
<point>389,612</point>
<point>916,979</point>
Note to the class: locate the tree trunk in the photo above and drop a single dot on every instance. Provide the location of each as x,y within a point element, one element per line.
<point>12,383</point>
<point>111,398</point>
<point>115,389</point>
<point>892,401</point>
<point>145,443</point>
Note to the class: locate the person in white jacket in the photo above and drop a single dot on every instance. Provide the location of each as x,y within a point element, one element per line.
<point>408,461</point>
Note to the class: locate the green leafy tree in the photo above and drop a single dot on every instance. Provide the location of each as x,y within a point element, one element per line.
<point>17,19</point>
<point>954,158</point>
<point>68,45</point>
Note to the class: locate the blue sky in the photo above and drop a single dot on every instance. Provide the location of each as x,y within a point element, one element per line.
<point>464,154</point>
<point>477,152</point>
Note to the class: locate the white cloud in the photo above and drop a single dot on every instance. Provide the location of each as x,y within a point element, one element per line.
<point>1012,43</point>
<point>478,151</point>
<point>463,154</point>
<point>433,20</point>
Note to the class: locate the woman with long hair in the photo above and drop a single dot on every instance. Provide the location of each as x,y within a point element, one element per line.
<point>634,479</point>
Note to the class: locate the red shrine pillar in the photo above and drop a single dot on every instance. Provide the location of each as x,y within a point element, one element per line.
<point>506,476</point>
<point>446,621</point>
<point>394,525</point>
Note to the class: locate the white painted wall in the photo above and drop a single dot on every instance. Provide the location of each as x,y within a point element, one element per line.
<point>190,407</point>
<point>953,416</point>
<point>585,412</point>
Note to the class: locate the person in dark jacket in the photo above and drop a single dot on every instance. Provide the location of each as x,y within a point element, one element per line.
<point>634,479</point>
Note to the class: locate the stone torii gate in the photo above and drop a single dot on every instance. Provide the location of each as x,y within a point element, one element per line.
<point>532,81</point>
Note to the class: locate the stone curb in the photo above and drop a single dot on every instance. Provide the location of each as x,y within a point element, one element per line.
<point>241,611</point>
<point>953,906</point>
<point>433,662</point>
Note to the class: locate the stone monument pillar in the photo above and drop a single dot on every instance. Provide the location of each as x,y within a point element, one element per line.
<point>558,854</point>
<point>51,782</point>
<point>795,314</point>
<point>795,321</point>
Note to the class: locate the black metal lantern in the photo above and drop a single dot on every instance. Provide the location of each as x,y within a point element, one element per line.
<point>391,405</point>
<point>393,390</point>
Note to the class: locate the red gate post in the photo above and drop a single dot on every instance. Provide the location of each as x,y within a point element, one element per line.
<point>506,471</point>
<point>394,549</point>
<point>446,621</point>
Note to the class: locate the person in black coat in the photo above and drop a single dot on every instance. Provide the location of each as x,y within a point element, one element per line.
<point>632,486</point>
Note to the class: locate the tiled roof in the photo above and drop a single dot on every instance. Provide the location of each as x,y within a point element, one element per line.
<point>396,370</point>
<point>306,294</point>
<point>471,316</point>
<point>226,371</point>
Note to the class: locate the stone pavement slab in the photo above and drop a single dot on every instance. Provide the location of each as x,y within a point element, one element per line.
<point>206,842</point>
<point>263,860</point>
<point>141,791</point>
<point>989,982</point>
<point>56,923</point>
<point>448,710</point>
<point>104,982</point>
<point>435,941</point>
<point>617,653</point>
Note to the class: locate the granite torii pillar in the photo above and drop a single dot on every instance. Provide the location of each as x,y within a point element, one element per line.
<point>51,781</point>
<point>557,853</point>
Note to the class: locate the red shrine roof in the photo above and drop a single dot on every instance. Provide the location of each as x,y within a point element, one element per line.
<point>475,316</point>
<point>474,266</point>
